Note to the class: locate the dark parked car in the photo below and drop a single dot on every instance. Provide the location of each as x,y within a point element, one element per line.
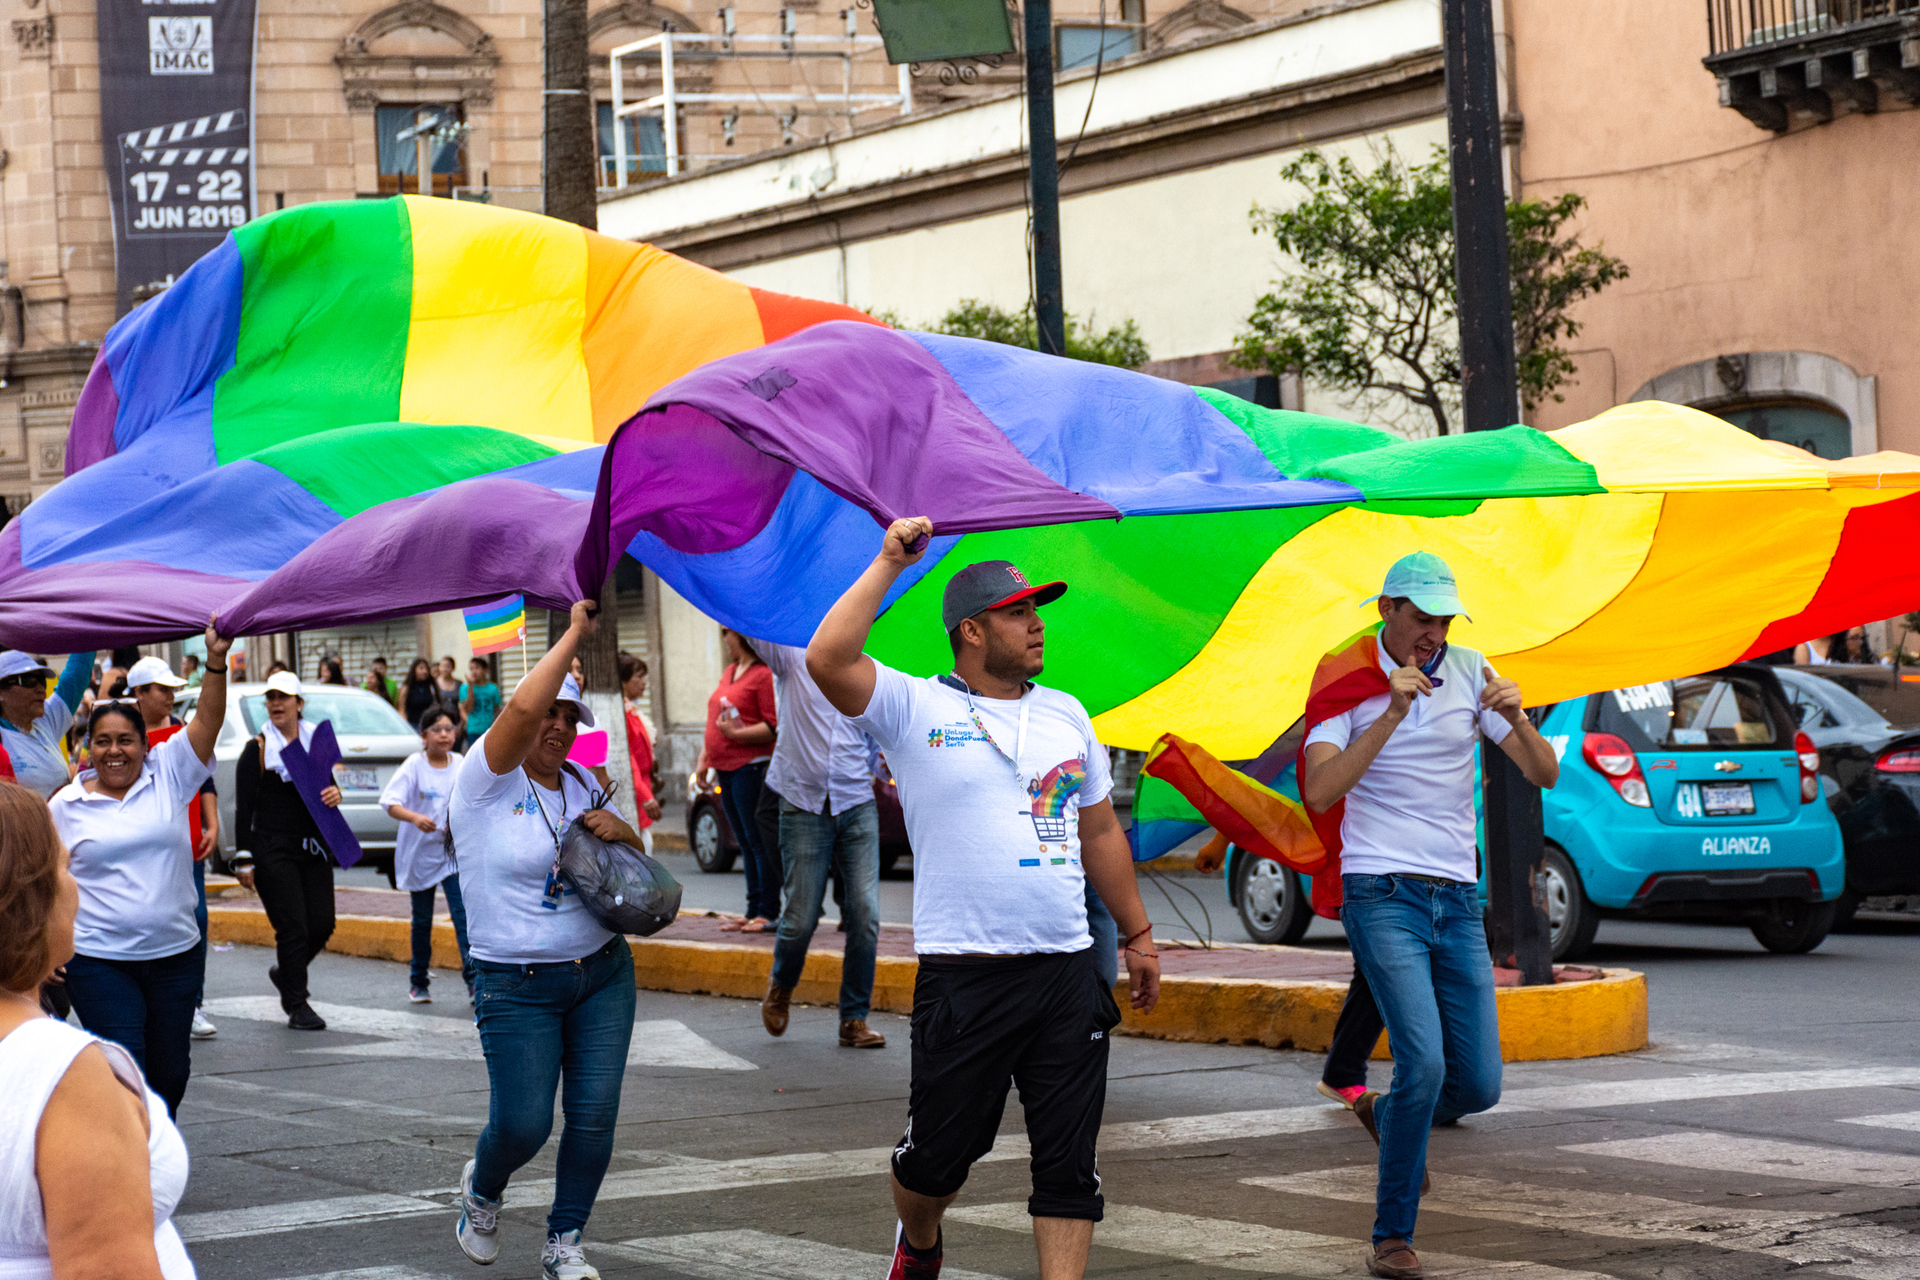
<point>715,848</point>
<point>1866,722</point>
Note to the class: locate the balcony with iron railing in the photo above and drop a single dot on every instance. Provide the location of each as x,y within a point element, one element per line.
<point>1782,62</point>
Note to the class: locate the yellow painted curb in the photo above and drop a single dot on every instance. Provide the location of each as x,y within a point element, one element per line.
<point>1572,1020</point>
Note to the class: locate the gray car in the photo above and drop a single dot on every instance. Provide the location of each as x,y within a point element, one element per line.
<point>374,740</point>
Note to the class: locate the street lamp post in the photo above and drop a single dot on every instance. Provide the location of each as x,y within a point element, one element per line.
<point>1043,169</point>
<point>1515,841</point>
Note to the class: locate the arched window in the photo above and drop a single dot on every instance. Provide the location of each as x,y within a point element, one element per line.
<point>1805,399</point>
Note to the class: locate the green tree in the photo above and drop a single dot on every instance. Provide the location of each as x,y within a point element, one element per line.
<point>1120,345</point>
<point>1373,309</point>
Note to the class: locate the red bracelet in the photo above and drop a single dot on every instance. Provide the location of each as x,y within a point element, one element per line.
<point>1128,944</point>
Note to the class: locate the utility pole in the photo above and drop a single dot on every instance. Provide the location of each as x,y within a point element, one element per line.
<point>1515,840</point>
<point>1043,169</point>
<point>568,162</point>
<point>567,154</point>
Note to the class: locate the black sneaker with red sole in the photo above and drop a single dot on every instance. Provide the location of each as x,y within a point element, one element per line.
<point>906,1266</point>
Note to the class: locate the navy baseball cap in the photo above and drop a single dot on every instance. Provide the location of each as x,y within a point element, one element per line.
<point>991,584</point>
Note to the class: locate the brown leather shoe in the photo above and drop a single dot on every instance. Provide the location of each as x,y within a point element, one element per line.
<point>773,1009</point>
<point>1395,1260</point>
<point>856,1034</point>
<point>1363,1111</point>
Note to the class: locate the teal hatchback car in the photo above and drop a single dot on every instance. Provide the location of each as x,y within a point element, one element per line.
<point>1695,799</point>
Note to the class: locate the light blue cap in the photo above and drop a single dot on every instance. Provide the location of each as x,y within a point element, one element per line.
<point>1425,579</point>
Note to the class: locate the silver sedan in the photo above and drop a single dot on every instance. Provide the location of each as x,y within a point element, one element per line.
<point>374,740</point>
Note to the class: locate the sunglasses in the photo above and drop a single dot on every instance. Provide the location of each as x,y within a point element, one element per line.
<point>23,682</point>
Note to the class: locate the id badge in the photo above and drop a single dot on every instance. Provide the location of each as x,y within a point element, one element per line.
<point>550,896</point>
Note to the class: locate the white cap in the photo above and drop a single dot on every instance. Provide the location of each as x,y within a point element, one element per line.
<point>285,682</point>
<point>15,663</point>
<point>569,692</point>
<point>153,671</point>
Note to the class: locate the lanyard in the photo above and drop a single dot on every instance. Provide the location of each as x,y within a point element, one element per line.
<point>552,829</point>
<point>1020,743</point>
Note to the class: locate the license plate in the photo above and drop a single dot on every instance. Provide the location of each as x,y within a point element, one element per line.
<point>356,779</point>
<point>1731,800</point>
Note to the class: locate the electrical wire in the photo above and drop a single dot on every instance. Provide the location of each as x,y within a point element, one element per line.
<point>1161,881</point>
<point>1099,60</point>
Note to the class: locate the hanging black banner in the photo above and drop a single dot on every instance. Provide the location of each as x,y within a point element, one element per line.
<point>176,122</point>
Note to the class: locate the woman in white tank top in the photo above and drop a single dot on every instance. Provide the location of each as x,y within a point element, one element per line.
<point>90,1166</point>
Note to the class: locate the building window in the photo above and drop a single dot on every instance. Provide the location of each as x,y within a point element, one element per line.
<point>646,145</point>
<point>1082,44</point>
<point>444,142</point>
<point>1818,430</point>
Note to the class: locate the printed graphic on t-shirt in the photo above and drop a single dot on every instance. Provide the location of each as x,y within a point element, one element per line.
<point>957,734</point>
<point>1052,794</point>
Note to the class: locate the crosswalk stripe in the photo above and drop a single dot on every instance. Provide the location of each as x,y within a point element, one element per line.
<point>1720,1084</point>
<point>722,1175</point>
<point>1251,1246</point>
<point>375,1273</point>
<point>1725,1153</point>
<point>297,1215</point>
<point>1908,1120</point>
<point>662,1042</point>
<point>1802,1239</point>
<point>726,1255</point>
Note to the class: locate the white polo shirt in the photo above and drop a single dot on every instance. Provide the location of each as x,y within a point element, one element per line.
<point>992,790</point>
<point>1412,810</point>
<point>133,859</point>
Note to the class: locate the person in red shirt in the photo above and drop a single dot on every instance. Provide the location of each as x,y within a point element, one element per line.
<point>152,683</point>
<point>633,687</point>
<point>741,723</point>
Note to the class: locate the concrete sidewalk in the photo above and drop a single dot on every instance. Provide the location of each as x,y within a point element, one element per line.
<point>1229,993</point>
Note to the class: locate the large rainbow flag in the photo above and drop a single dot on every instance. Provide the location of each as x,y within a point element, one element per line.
<point>368,410</point>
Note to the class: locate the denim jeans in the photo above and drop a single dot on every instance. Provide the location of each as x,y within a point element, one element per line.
<point>1423,949</point>
<point>811,844</point>
<point>542,1025</point>
<point>1106,937</point>
<point>740,796</point>
<point>200,918</point>
<point>146,1006</point>
<point>417,972</point>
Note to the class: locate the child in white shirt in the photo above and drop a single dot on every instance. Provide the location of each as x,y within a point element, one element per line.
<point>417,798</point>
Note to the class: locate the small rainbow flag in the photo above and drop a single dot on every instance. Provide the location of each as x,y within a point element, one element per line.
<point>496,626</point>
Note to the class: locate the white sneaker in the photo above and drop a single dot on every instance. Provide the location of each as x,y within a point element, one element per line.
<point>563,1259</point>
<point>202,1029</point>
<point>478,1228</point>
<point>419,995</point>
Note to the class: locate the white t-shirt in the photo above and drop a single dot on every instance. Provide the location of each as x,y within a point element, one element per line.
<point>1412,810</point>
<point>996,849</point>
<point>133,859</point>
<point>420,860</point>
<point>38,764</point>
<point>504,831</point>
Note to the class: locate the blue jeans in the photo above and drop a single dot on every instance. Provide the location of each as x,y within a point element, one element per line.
<point>200,918</point>
<point>811,844</point>
<point>1423,949</point>
<point>146,1006</point>
<point>542,1025</point>
<point>423,932</point>
<point>1106,937</point>
<point>740,796</point>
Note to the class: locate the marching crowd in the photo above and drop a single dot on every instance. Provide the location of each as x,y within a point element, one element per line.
<point>1025,902</point>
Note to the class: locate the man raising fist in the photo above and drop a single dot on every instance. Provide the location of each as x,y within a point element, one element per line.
<point>1005,791</point>
<point>1403,763</point>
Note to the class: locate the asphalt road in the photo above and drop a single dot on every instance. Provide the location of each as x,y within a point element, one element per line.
<point>1773,1129</point>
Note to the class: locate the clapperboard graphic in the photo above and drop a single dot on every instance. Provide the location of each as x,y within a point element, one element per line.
<point>188,177</point>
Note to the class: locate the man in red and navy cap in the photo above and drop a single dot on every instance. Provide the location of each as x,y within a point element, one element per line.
<point>1005,789</point>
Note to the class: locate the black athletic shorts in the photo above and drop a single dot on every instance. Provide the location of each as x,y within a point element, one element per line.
<point>1036,1021</point>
